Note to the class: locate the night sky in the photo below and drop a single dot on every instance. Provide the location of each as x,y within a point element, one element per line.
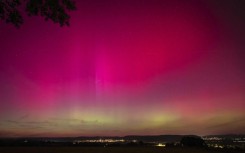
<point>123,67</point>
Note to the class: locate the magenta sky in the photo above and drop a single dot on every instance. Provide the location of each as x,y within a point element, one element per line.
<point>126,67</point>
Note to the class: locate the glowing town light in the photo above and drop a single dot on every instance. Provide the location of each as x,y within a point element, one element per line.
<point>160,145</point>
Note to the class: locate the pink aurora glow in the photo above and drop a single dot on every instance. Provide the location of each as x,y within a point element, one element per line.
<point>123,68</point>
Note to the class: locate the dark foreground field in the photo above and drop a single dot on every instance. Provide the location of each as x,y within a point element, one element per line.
<point>108,150</point>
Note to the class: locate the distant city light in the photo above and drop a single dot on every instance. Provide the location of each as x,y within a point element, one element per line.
<point>160,145</point>
<point>99,140</point>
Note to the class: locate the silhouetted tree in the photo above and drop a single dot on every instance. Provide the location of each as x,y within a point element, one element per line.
<point>192,141</point>
<point>55,10</point>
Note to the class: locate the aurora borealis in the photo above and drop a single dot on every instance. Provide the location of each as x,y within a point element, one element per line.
<point>124,67</point>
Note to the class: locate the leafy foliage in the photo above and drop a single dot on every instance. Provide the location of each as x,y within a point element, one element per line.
<point>10,13</point>
<point>55,10</point>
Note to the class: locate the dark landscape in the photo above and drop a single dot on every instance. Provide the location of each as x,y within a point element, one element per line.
<point>129,144</point>
<point>110,150</point>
